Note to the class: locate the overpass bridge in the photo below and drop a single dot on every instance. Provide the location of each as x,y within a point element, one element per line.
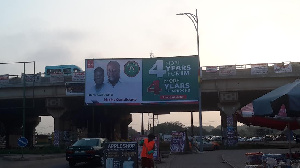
<point>223,88</point>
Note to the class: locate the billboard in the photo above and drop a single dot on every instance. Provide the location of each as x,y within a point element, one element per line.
<point>141,81</point>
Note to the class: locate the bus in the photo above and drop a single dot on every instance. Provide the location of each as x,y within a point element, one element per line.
<point>66,70</point>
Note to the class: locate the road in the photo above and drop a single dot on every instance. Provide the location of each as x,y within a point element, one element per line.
<point>47,163</point>
<point>207,159</point>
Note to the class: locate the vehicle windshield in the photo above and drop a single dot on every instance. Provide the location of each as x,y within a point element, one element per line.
<point>86,142</point>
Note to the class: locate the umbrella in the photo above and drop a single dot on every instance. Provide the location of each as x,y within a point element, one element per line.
<point>246,117</point>
<point>283,103</point>
<point>285,97</point>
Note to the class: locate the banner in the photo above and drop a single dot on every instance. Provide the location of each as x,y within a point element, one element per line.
<point>29,78</point>
<point>211,69</point>
<point>138,81</point>
<point>74,88</point>
<point>227,70</point>
<point>4,79</point>
<point>177,144</point>
<point>282,68</point>
<point>78,76</point>
<point>257,69</point>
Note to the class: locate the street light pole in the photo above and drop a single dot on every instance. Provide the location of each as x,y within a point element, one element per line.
<point>194,19</point>
<point>24,98</point>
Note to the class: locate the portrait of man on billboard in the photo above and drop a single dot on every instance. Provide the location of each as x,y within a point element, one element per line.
<point>113,73</point>
<point>98,78</point>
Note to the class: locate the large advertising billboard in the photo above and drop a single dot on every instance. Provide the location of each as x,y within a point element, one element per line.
<point>141,81</point>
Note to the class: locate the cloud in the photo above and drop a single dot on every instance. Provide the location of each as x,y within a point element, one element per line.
<point>44,47</point>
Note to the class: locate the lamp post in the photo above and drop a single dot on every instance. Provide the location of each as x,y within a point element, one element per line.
<point>24,98</point>
<point>194,19</point>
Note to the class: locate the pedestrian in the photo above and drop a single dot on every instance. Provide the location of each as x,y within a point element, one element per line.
<point>147,151</point>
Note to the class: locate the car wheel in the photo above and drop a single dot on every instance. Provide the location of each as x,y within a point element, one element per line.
<point>72,163</point>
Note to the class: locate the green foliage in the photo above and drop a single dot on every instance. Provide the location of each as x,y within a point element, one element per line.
<point>132,133</point>
<point>243,130</point>
<point>168,127</point>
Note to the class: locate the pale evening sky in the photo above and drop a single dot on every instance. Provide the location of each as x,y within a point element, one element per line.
<point>53,32</point>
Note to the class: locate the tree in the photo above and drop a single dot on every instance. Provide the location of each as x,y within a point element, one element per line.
<point>132,133</point>
<point>168,127</point>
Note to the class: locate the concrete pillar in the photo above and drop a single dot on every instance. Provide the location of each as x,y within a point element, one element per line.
<point>56,113</point>
<point>229,104</point>
<point>229,123</point>
<point>56,108</point>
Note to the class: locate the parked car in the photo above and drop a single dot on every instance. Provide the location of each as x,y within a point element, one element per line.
<point>207,145</point>
<point>242,139</point>
<point>86,150</point>
<point>256,139</point>
<point>268,138</point>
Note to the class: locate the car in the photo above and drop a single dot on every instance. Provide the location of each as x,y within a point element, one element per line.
<point>88,150</point>
<point>207,145</point>
<point>256,139</point>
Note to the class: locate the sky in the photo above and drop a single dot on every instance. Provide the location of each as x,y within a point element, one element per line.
<point>231,32</point>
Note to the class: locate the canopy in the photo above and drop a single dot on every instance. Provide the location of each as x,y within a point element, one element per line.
<point>246,117</point>
<point>270,103</point>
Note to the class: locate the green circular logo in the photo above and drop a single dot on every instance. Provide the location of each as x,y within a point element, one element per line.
<point>131,68</point>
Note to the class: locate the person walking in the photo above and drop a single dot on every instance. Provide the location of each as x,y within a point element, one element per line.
<point>147,151</point>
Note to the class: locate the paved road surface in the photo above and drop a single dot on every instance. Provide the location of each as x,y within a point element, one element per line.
<point>207,159</point>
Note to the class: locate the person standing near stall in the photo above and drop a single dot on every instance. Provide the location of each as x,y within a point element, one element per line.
<point>147,151</point>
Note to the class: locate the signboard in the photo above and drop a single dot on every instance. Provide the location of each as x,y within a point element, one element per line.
<point>211,69</point>
<point>22,141</point>
<point>173,79</point>
<point>74,88</point>
<point>178,142</point>
<point>139,81</point>
<point>121,155</point>
<point>227,70</point>
<point>113,81</point>
<point>4,79</point>
<point>282,68</point>
<point>29,78</point>
<point>78,76</point>
<point>258,69</point>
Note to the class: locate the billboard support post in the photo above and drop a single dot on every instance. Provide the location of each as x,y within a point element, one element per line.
<point>194,19</point>
<point>142,126</point>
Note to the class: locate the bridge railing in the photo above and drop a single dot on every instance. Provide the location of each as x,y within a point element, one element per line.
<point>260,70</point>
<point>251,71</point>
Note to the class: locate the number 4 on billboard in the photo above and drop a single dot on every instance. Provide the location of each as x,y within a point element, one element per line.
<point>154,87</point>
<point>158,69</point>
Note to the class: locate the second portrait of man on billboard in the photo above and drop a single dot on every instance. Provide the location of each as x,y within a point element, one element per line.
<point>113,81</point>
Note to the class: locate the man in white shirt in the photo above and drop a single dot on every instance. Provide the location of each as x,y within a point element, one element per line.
<point>113,72</point>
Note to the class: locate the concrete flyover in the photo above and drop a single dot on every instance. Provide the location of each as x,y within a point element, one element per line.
<point>224,89</point>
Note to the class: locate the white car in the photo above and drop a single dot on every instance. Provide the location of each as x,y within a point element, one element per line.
<point>256,139</point>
